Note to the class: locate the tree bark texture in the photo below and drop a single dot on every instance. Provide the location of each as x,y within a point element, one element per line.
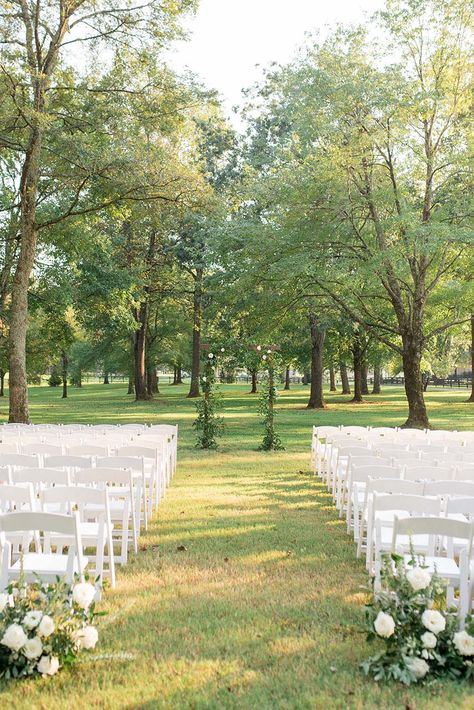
<point>318,336</point>
<point>346,389</point>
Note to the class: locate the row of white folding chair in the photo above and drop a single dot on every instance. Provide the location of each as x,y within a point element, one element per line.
<point>154,473</point>
<point>402,438</point>
<point>125,483</point>
<point>123,489</point>
<point>41,564</point>
<point>361,470</point>
<point>446,546</point>
<point>96,527</point>
<point>388,494</point>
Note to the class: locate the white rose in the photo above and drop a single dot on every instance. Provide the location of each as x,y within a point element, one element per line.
<point>87,637</point>
<point>204,379</point>
<point>264,357</point>
<point>419,578</point>
<point>429,640</point>
<point>46,626</point>
<point>83,594</point>
<point>433,621</point>
<point>33,648</point>
<point>4,599</point>
<point>418,667</point>
<point>384,625</point>
<point>259,347</point>
<point>48,665</point>
<point>14,637</point>
<point>222,350</point>
<point>210,356</point>
<point>32,619</point>
<point>464,643</point>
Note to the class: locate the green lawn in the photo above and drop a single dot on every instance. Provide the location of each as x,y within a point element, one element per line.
<point>263,608</point>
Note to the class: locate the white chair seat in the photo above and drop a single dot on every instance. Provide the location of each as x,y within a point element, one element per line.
<point>445,567</point>
<point>46,564</point>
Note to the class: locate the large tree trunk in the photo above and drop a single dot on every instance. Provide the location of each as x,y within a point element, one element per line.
<point>2,383</point>
<point>306,377</point>
<point>197,315</point>
<point>151,382</point>
<point>254,382</point>
<point>364,378</point>
<point>376,389</point>
<point>318,336</point>
<point>106,378</point>
<point>28,190</point>
<point>412,354</point>
<point>139,348</point>
<point>332,379</point>
<point>179,375</point>
<point>131,385</point>
<point>175,375</point>
<point>344,378</point>
<point>287,379</point>
<point>471,398</point>
<point>357,366</point>
<point>64,364</point>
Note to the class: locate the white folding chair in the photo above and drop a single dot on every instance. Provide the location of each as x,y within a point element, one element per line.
<point>442,533</point>
<point>137,466</point>
<point>383,511</point>
<point>46,566</point>
<point>41,477</point>
<point>96,534</point>
<point>124,495</point>
<point>381,486</point>
<point>154,473</point>
<point>357,480</point>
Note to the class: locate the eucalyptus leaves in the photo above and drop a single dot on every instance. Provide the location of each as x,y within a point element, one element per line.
<point>208,424</point>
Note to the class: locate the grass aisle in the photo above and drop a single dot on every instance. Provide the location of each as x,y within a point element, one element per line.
<point>246,593</point>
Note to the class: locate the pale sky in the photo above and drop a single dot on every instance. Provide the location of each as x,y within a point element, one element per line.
<point>230,37</point>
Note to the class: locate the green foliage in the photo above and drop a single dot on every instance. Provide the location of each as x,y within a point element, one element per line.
<point>268,397</point>
<point>420,636</point>
<point>208,424</point>
<point>55,378</point>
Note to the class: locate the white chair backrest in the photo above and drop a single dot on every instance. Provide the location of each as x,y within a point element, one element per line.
<point>146,452</point>
<point>49,449</point>
<point>464,472</point>
<point>80,496</point>
<point>66,461</point>
<point>113,476</point>
<point>8,448</point>
<point>14,497</point>
<point>394,485</point>
<point>359,474</point>
<point>19,460</point>
<point>397,454</point>
<point>463,506</point>
<point>52,476</point>
<point>439,530</point>
<point>426,473</point>
<point>355,460</point>
<point>134,463</point>
<point>408,503</point>
<point>87,450</point>
<point>449,488</point>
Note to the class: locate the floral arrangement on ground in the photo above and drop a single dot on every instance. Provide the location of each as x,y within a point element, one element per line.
<point>44,627</point>
<point>422,638</point>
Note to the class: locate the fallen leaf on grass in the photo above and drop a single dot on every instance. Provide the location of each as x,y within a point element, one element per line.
<point>181,548</point>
